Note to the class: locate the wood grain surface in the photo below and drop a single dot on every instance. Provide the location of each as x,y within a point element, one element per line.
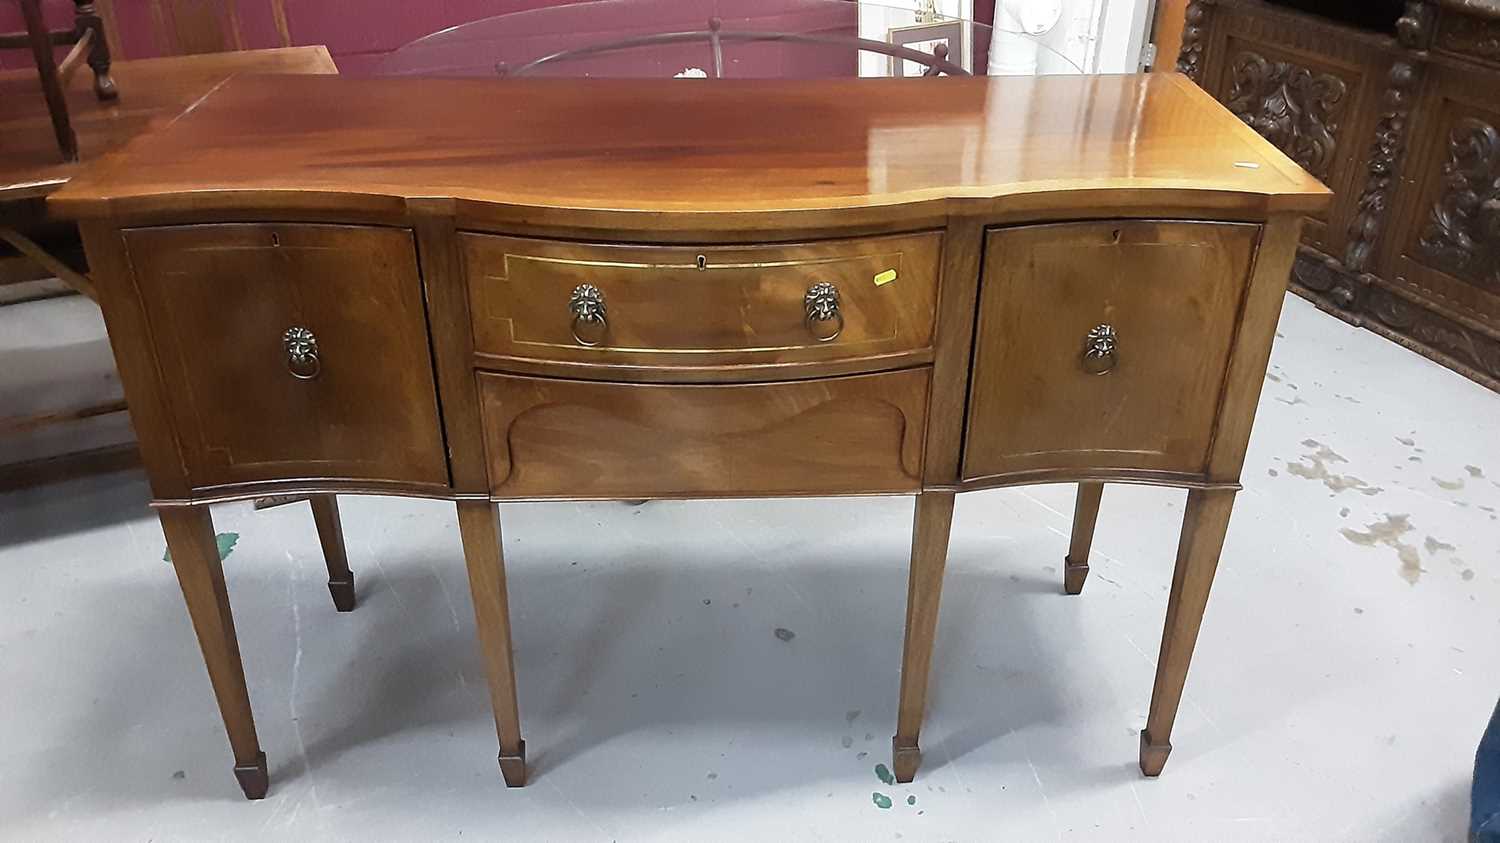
<point>1172,292</point>
<point>152,93</point>
<point>549,438</point>
<point>703,307</point>
<point>658,146</point>
<point>430,233</point>
<point>219,298</point>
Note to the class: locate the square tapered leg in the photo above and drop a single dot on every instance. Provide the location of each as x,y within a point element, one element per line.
<point>200,573</point>
<point>929,555</point>
<point>1204,523</point>
<point>479,525</point>
<point>1085,516</point>
<point>325,509</point>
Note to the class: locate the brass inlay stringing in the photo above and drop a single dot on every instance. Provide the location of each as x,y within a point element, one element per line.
<point>695,265</point>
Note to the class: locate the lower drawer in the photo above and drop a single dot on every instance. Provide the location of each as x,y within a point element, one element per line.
<point>584,439</point>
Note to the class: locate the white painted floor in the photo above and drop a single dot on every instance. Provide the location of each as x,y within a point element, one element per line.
<point>1348,663</point>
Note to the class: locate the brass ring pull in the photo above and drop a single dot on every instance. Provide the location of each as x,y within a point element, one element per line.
<point>301,353</point>
<point>822,307</point>
<point>589,314</point>
<point>1099,356</point>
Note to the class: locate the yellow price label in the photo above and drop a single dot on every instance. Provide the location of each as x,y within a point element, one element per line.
<point>885,278</point>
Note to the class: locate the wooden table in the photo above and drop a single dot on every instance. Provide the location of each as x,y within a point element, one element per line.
<point>156,92</point>
<point>153,92</point>
<point>488,290</point>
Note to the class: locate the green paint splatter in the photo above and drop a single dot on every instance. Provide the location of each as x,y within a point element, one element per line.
<point>884,774</point>
<point>881,801</point>
<point>911,800</point>
<point>225,541</point>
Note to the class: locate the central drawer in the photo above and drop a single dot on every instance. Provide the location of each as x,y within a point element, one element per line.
<point>816,308</point>
<point>547,437</point>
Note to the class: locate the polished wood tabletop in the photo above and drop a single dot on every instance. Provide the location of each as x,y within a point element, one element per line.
<point>691,145</point>
<point>151,91</point>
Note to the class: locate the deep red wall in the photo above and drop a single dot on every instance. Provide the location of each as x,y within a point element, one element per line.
<point>357,32</point>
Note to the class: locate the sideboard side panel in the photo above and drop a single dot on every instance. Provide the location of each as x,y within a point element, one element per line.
<point>129,332</point>
<point>1251,351</point>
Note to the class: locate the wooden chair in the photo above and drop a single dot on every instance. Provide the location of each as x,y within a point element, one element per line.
<point>89,45</point>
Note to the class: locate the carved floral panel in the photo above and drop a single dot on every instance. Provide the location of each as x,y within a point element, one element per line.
<point>1462,236</point>
<point>1293,107</point>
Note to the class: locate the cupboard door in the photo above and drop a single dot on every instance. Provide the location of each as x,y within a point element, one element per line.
<point>292,351</point>
<point>1103,345</point>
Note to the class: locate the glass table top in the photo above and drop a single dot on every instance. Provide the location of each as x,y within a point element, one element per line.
<point>736,39</point>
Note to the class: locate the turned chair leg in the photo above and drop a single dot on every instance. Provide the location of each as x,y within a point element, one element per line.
<point>1085,515</point>
<point>200,572</point>
<point>86,18</point>
<point>46,68</point>
<point>929,556</point>
<point>479,526</point>
<point>1204,524</point>
<point>325,509</point>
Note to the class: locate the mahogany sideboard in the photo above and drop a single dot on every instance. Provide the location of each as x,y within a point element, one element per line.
<point>488,290</point>
<point>1396,105</point>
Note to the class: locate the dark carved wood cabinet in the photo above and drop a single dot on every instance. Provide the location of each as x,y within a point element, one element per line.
<point>1396,106</point>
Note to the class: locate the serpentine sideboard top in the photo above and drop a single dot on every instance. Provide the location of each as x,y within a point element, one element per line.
<point>694,146</point>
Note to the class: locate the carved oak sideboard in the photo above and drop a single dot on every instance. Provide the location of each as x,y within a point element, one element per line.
<point>485,291</point>
<point>1396,106</point>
